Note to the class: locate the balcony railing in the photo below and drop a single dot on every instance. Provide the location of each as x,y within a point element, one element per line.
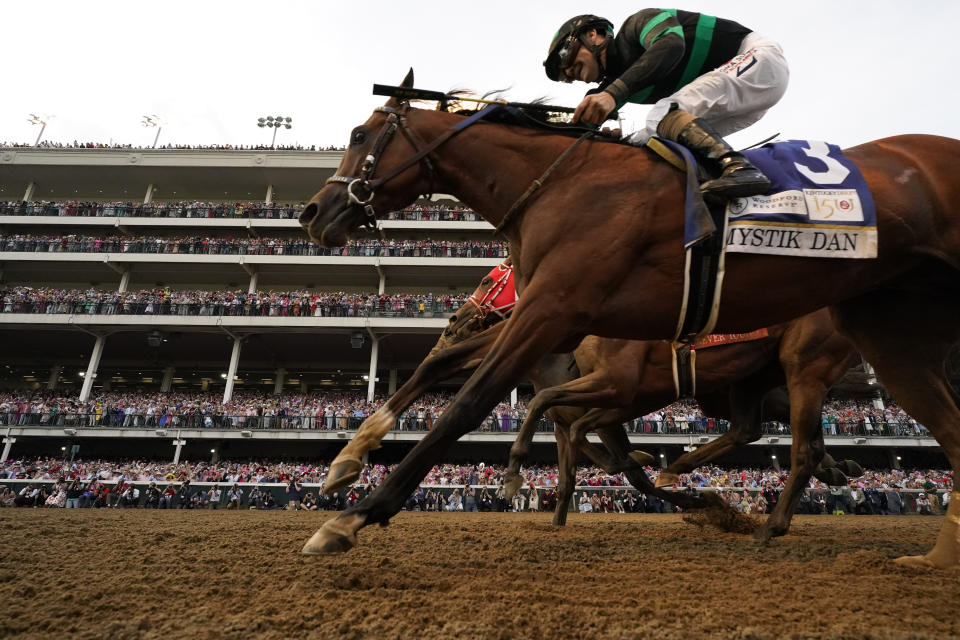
<point>493,424</point>
<point>252,307</point>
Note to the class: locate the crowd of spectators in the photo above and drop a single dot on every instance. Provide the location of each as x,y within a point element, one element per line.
<point>163,301</point>
<point>847,417</point>
<point>347,410</point>
<point>449,487</point>
<point>333,411</point>
<point>294,246</point>
<point>197,209</point>
<point>48,144</point>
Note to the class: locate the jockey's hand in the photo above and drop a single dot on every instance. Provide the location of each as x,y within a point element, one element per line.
<point>611,133</point>
<point>594,108</point>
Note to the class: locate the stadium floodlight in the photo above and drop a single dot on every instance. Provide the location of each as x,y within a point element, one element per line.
<point>153,120</point>
<point>275,122</point>
<point>42,120</point>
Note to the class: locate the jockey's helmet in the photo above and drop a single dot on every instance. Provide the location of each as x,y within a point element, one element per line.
<point>566,42</point>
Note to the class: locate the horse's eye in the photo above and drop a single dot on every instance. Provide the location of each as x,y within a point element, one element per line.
<point>359,136</point>
<point>486,280</point>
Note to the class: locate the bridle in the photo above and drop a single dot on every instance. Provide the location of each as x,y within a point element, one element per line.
<point>501,297</point>
<point>396,119</point>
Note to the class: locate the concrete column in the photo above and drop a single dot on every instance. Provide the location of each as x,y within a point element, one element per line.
<point>392,384</point>
<point>148,197</point>
<point>303,387</point>
<point>513,397</point>
<point>872,381</point>
<point>894,458</point>
<point>374,354</point>
<point>92,367</point>
<point>54,376</point>
<point>253,282</point>
<point>178,443</point>
<point>7,445</point>
<point>28,194</point>
<point>232,373</point>
<point>166,384</point>
<point>383,283</point>
<point>280,378</point>
<point>124,281</point>
<point>269,198</point>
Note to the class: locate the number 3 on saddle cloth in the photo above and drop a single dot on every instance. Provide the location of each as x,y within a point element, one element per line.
<point>818,206</point>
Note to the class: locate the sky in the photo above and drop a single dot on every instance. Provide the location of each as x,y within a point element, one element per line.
<point>859,70</point>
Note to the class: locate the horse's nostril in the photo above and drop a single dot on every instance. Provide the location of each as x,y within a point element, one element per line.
<point>308,214</point>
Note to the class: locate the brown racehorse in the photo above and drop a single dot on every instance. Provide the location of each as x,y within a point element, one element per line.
<point>625,379</point>
<point>600,248</point>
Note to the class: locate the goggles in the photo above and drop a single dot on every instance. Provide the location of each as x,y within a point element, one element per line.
<point>566,54</point>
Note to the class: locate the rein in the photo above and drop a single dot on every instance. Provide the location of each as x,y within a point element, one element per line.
<point>397,119</point>
<point>522,200</point>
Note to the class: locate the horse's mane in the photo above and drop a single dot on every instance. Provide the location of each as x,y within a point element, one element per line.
<point>529,118</point>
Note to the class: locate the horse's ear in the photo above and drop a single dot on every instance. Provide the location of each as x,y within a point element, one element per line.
<point>407,84</point>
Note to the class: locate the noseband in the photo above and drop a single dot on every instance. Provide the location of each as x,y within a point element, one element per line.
<point>396,119</point>
<point>501,297</point>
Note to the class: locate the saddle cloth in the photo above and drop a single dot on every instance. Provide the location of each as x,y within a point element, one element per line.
<point>818,206</point>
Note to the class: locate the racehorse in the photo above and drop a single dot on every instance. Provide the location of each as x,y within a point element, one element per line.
<point>599,245</point>
<point>623,379</point>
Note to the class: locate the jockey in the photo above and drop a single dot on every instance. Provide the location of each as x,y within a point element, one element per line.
<point>706,77</point>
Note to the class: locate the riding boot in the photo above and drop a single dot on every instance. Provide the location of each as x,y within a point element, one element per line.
<point>738,177</point>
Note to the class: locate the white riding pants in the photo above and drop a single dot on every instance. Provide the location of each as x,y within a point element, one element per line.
<point>732,96</point>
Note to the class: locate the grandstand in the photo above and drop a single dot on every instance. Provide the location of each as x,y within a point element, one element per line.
<point>184,271</point>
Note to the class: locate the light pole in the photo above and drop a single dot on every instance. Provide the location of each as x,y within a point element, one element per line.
<point>42,120</point>
<point>274,123</point>
<point>153,121</point>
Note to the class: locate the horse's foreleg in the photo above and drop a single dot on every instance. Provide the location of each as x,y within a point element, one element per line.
<point>531,332</point>
<point>806,451</point>
<point>346,467</point>
<point>588,391</point>
<point>567,477</point>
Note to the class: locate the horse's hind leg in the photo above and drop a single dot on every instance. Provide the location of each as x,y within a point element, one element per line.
<point>567,473</point>
<point>908,350</point>
<point>742,404</point>
<point>813,358</point>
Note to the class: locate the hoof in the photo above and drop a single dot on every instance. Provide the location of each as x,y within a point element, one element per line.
<point>665,479</point>
<point>512,485</point>
<point>333,537</point>
<point>831,476</point>
<point>342,474</point>
<point>767,533</point>
<point>642,458</point>
<point>850,468</point>
<point>917,562</point>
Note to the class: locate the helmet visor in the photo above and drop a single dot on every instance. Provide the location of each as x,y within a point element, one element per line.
<point>563,58</point>
<point>566,55</point>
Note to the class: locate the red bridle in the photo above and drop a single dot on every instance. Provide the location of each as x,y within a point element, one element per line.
<point>501,297</point>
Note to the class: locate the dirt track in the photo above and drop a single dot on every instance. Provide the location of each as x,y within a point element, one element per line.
<point>201,574</point>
